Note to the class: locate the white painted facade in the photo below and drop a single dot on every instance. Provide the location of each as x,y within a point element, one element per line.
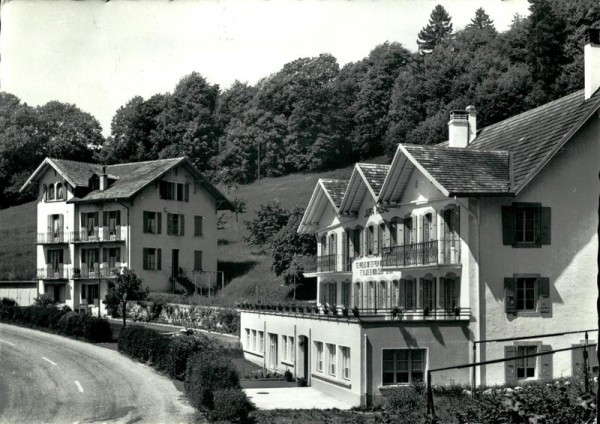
<point>76,260</point>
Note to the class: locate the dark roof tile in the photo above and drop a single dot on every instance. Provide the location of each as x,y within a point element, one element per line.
<point>335,189</point>
<point>375,175</point>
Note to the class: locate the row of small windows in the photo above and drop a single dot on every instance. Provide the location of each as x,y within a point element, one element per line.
<point>327,360</point>
<point>54,191</point>
<point>398,232</point>
<point>152,224</point>
<point>152,259</point>
<point>407,293</point>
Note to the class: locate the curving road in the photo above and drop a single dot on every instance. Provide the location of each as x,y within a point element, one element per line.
<point>46,378</point>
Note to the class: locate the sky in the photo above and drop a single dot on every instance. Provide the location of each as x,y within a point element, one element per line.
<point>99,54</point>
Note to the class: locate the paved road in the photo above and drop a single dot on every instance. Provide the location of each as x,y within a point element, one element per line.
<point>46,378</point>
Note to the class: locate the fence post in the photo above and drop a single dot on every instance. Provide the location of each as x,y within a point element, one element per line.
<point>430,406</point>
<point>474,370</point>
<point>585,364</point>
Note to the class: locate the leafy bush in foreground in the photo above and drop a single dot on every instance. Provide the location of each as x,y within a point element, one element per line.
<point>92,329</point>
<point>229,405</point>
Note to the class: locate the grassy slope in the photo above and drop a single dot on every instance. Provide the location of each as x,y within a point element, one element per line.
<point>245,269</point>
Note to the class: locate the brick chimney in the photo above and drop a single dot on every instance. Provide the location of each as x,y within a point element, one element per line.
<point>591,53</point>
<point>103,179</point>
<point>462,127</point>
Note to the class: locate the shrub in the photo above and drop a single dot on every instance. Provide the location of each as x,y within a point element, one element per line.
<point>44,300</point>
<point>179,351</point>
<point>288,375</point>
<point>206,372</point>
<point>406,404</point>
<point>8,302</point>
<point>144,344</point>
<point>92,329</point>
<point>230,405</point>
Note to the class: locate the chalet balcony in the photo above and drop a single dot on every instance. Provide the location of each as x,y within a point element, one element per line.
<point>96,271</point>
<point>436,252</point>
<point>327,263</point>
<point>52,273</point>
<point>99,234</point>
<point>53,237</point>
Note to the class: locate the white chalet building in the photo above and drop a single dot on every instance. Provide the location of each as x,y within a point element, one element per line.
<point>489,235</point>
<point>157,218</point>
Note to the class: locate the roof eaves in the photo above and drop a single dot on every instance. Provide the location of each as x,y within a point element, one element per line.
<point>424,171</point>
<point>557,147</point>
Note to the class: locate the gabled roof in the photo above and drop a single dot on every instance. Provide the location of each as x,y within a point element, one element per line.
<point>130,178</point>
<point>533,137</point>
<point>327,192</point>
<point>458,171</point>
<point>365,178</point>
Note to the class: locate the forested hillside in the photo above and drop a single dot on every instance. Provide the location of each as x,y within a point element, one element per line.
<point>313,115</point>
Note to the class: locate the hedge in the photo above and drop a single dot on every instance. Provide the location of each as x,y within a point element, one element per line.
<point>63,321</point>
<point>229,405</point>
<point>206,372</point>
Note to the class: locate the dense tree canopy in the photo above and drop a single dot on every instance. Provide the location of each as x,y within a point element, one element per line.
<point>311,115</point>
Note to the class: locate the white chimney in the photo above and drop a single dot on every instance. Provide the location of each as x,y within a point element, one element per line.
<point>472,122</point>
<point>458,129</point>
<point>103,179</point>
<point>591,53</point>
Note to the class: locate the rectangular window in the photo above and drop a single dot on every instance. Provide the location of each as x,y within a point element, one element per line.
<point>410,293</point>
<point>198,221</point>
<point>247,338</point>
<point>357,241</point>
<point>112,220</point>
<point>89,294</point>
<point>346,294</point>
<point>152,222</point>
<point>173,191</point>
<point>254,340</point>
<point>175,224</point>
<point>401,366</point>
<point>428,293</point>
<point>197,260</point>
<point>261,341</point>
<point>331,363</point>
<point>284,348</point>
<point>526,225</point>
<point>526,366</point>
<point>152,259</point>
<point>319,357</point>
<point>526,296</point>
<point>370,240</point>
<point>408,231</point>
<point>345,362</point>
<point>291,348</point>
<point>114,256</point>
<point>55,259</point>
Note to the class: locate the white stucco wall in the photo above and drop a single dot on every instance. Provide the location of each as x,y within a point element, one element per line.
<point>569,186</point>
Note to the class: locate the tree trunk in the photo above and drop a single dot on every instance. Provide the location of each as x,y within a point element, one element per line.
<point>124,312</point>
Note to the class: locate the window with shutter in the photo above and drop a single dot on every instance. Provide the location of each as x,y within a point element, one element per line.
<point>158,259</point>
<point>158,222</point>
<point>187,192</point>
<point>197,260</point>
<point>198,221</point>
<point>181,225</point>
<point>510,369</point>
<point>526,225</point>
<point>546,365</point>
<point>510,295</point>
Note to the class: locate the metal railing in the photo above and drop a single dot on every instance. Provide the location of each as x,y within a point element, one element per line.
<point>50,237</point>
<point>442,252</point>
<point>95,272</point>
<point>99,234</point>
<point>52,273</point>
<point>327,263</point>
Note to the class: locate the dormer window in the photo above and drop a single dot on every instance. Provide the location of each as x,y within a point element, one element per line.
<point>94,182</point>
<point>51,192</point>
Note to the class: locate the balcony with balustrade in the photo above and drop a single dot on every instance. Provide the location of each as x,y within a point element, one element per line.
<point>435,252</point>
<point>323,264</point>
<point>57,236</point>
<point>99,235</point>
<point>52,272</point>
<point>95,271</point>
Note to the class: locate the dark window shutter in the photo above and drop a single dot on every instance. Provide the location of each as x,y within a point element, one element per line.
<point>96,220</point>
<point>145,258</point>
<point>118,254</point>
<point>105,255</point>
<point>118,217</point>
<point>83,221</point>
<point>158,222</point>
<point>457,291</point>
<point>162,189</point>
<point>510,367</point>
<point>145,222</point>
<point>83,255</point>
<point>545,221</point>
<point>158,259</point>
<point>104,218</point>
<point>421,284</point>
<point>187,192</point>
<point>402,293</point>
<point>544,295</point>
<point>510,293</point>
<point>197,260</point>
<point>509,225</point>
<point>546,363</point>
<point>181,224</point>
<point>442,298</point>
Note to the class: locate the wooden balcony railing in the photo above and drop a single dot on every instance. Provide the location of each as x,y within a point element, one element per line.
<point>435,252</point>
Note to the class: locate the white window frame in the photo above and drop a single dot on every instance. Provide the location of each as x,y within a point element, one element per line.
<point>346,357</point>
<point>331,359</point>
<point>410,370</point>
<point>319,356</point>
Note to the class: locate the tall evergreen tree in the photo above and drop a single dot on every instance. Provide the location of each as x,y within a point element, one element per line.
<point>439,28</point>
<point>546,41</point>
<point>481,20</point>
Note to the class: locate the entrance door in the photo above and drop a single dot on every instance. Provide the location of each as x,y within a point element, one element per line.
<point>174,262</point>
<point>273,360</point>
<point>303,355</point>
